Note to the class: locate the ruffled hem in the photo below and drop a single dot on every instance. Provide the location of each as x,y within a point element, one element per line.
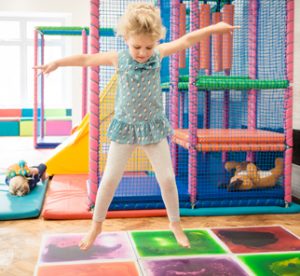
<point>142,133</point>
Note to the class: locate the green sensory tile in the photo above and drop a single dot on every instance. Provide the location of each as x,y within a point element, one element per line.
<point>273,264</point>
<point>163,243</point>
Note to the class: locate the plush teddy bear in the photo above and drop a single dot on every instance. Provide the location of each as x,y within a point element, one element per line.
<point>247,176</point>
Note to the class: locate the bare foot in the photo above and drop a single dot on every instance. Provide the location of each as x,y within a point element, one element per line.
<point>180,236</point>
<point>88,240</point>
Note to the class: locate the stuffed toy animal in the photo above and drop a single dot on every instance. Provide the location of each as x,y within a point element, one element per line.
<point>19,168</point>
<point>247,176</point>
<point>21,179</point>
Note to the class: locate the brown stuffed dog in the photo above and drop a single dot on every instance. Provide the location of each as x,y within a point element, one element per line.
<point>247,176</point>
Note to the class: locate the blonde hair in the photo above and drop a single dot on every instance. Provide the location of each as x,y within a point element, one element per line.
<point>141,18</point>
<point>18,186</point>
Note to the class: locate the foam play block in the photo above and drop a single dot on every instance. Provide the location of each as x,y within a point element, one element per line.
<point>26,127</point>
<point>15,207</point>
<point>55,113</point>
<point>69,112</point>
<point>10,128</point>
<point>27,112</point>
<point>10,113</point>
<point>58,127</point>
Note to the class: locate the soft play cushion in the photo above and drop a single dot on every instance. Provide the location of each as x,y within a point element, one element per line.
<point>67,199</point>
<point>15,207</point>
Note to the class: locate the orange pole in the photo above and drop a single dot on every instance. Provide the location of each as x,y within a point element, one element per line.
<point>217,44</point>
<point>228,15</point>
<point>182,22</point>
<point>205,43</point>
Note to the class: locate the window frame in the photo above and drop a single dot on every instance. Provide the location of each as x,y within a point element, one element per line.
<point>24,43</point>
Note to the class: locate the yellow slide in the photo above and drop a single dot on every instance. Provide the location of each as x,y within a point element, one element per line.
<point>71,157</point>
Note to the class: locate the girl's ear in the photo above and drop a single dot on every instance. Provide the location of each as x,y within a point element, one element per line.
<point>125,38</point>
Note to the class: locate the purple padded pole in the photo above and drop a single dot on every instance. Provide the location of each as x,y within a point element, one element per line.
<point>42,128</point>
<point>252,48</point>
<point>35,102</point>
<point>288,102</point>
<point>174,75</point>
<point>94,128</point>
<point>193,106</point>
<point>84,76</point>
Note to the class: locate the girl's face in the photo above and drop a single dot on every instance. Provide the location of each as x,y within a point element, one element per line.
<point>141,47</point>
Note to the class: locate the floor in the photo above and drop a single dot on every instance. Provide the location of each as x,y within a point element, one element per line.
<point>21,239</point>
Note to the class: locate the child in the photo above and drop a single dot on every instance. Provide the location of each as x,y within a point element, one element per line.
<point>22,179</point>
<point>139,118</point>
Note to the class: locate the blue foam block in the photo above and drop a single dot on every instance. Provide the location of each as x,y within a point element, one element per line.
<point>15,207</point>
<point>9,128</point>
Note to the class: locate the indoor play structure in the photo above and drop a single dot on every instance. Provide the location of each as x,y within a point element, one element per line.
<point>235,104</point>
<point>51,127</point>
<point>229,99</point>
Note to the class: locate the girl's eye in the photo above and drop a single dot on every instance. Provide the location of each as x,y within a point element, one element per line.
<point>149,48</point>
<point>136,47</point>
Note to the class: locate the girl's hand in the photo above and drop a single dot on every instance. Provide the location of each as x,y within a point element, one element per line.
<point>47,68</point>
<point>223,27</point>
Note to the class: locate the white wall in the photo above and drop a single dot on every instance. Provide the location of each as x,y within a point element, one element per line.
<point>78,10</point>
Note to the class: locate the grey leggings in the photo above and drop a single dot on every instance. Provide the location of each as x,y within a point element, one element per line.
<point>160,158</point>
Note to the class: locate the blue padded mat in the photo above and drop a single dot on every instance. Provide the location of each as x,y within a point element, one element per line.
<point>15,207</point>
<point>143,192</point>
<point>236,211</point>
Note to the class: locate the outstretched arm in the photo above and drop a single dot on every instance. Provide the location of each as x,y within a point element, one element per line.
<point>107,58</point>
<point>192,38</point>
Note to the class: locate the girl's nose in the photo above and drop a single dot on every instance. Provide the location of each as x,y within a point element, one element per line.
<point>142,52</point>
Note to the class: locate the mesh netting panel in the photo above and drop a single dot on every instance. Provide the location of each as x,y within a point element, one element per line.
<point>218,187</point>
<point>240,112</point>
<point>138,188</point>
<point>242,91</point>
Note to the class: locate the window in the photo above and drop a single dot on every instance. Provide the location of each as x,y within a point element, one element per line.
<point>17,58</point>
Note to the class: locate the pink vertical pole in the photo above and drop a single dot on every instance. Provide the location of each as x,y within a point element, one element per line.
<point>252,49</point>
<point>204,21</point>
<point>182,26</point>
<point>290,7</point>
<point>42,116</point>
<point>94,107</point>
<point>35,87</point>
<point>228,17</point>
<point>205,60</point>
<point>84,76</point>
<point>217,40</point>
<point>193,106</point>
<point>174,76</point>
<point>288,156</point>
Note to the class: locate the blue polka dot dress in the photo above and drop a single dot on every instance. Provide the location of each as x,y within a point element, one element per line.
<point>139,113</point>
